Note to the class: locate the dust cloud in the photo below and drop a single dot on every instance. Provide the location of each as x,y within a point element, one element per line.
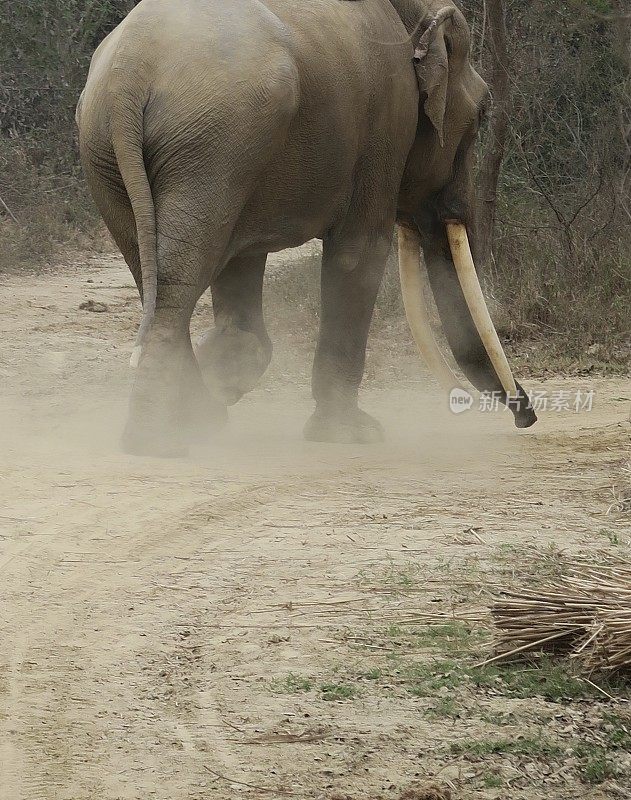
<point>150,607</point>
<point>67,384</point>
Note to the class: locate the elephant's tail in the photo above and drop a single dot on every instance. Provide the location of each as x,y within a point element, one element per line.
<point>127,141</point>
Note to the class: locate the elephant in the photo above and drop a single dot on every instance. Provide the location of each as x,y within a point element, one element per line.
<point>213,133</point>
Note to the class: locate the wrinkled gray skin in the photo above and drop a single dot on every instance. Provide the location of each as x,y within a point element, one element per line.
<point>213,133</point>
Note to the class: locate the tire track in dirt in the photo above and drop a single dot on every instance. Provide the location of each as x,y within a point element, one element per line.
<point>51,737</point>
<point>148,606</point>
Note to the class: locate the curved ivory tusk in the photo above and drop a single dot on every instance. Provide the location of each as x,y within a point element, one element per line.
<point>135,357</point>
<point>413,281</point>
<point>465,268</point>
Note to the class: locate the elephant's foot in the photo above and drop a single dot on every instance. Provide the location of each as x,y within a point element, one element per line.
<point>234,359</point>
<point>145,440</point>
<point>203,417</point>
<point>172,441</point>
<point>351,426</point>
<point>153,430</point>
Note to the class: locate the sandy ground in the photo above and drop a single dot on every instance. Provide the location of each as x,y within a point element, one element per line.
<point>149,607</point>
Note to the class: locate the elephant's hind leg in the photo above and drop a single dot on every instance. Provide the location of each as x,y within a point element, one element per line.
<point>170,404</point>
<point>238,351</point>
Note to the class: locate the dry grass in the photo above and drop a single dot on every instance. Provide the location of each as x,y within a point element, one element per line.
<point>42,210</point>
<point>584,610</point>
<point>621,491</point>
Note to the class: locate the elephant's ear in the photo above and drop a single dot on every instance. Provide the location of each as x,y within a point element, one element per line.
<point>431,62</point>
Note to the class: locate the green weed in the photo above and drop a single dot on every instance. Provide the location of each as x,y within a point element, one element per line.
<point>445,707</point>
<point>337,691</point>
<point>596,766</point>
<point>291,684</point>
<point>533,747</point>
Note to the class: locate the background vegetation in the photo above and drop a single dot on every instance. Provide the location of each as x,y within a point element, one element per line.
<point>555,160</point>
<point>561,130</point>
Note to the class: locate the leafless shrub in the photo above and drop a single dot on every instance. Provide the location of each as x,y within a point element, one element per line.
<point>560,265</point>
<point>45,49</point>
<point>561,260</point>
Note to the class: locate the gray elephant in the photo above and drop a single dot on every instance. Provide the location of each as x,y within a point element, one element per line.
<point>213,133</point>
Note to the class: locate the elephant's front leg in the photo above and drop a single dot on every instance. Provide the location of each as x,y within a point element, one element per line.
<point>351,276</point>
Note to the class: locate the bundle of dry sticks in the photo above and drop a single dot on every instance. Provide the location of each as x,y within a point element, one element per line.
<point>584,610</point>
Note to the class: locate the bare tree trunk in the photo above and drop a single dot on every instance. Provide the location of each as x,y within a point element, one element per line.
<point>495,144</point>
<point>622,31</point>
<point>622,43</point>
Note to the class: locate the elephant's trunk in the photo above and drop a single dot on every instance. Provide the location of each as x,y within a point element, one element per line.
<point>463,313</point>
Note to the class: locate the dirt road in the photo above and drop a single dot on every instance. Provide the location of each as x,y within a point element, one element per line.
<point>190,628</point>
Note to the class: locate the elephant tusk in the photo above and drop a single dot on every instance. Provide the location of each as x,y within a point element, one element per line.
<point>135,357</point>
<point>465,269</point>
<point>413,280</point>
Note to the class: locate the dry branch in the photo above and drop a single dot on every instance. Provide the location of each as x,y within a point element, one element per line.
<point>9,212</point>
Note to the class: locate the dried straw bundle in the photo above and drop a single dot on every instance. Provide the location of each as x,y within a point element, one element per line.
<point>585,610</point>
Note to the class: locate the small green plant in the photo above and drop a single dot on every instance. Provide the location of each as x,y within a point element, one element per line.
<point>445,707</point>
<point>449,637</point>
<point>533,747</point>
<point>546,678</point>
<point>337,691</point>
<point>613,537</point>
<point>498,718</point>
<point>550,680</point>
<point>423,680</point>
<point>493,781</point>
<point>597,769</point>
<point>553,680</point>
<point>596,766</point>
<point>618,731</point>
<point>507,548</point>
<point>401,576</point>
<point>291,684</point>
